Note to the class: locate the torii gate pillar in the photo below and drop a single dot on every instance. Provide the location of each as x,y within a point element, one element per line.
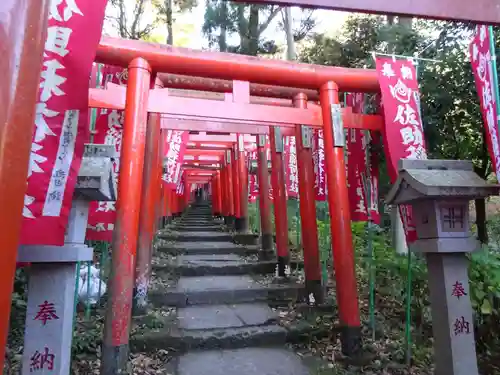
<point>241,223</point>
<point>222,188</point>
<point>117,325</point>
<point>307,202</point>
<point>340,220</point>
<point>229,190</point>
<point>23,26</point>
<point>236,186</point>
<point>217,193</point>
<point>279,196</point>
<point>147,215</point>
<point>266,229</point>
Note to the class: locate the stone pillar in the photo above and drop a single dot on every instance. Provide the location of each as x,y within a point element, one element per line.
<point>440,192</point>
<point>452,320</point>
<point>51,297</point>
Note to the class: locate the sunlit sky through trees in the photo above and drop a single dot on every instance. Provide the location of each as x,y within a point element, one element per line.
<point>187,26</point>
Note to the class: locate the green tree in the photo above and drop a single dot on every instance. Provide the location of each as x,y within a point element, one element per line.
<point>223,18</point>
<point>138,19</point>
<point>130,20</point>
<point>249,22</point>
<point>167,10</point>
<point>449,103</point>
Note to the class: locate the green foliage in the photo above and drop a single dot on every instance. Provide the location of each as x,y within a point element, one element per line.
<point>390,285</point>
<point>391,275</point>
<point>253,217</point>
<point>452,121</point>
<point>450,106</point>
<point>224,19</point>
<point>132,18</point>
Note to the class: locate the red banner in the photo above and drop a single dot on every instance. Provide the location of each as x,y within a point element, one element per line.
<point>61,122</point>
<point>179,189</point>
<point>480,57</point>
<point>253,188</point>
<point>291,175</point>
<point>356,164</point>
<point>175,147</point>
<point>403,134</point>
<point>269,158</point>
<point>108,130</point>
<point>318,149</point>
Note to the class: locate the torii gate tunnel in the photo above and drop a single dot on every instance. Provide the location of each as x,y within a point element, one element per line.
<point>259,97</point>
<point>238,112</point>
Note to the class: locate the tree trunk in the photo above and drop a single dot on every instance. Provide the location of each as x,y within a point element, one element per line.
<point>406,22</point>
<point>170,27</point>
<point>291,54</point>
<point>223,28</point>
<point>242,28</point>
<point>253,31</point>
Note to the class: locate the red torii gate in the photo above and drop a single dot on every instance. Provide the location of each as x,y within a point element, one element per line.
<point>23,30</point>
<point>239,109</point>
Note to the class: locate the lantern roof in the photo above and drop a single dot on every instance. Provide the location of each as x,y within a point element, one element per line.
<point>438,179</point>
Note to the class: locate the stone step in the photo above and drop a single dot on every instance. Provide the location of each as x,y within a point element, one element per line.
<point>197,224</point>
<point>243,361</point>
<point>193,265</point>
<point>197,221</point>
<point>224,290</point>
<point>184,340</point>
<point>194,248</point>
<point>197,237</point>
<point>194,228</point>
<point>217,326</point>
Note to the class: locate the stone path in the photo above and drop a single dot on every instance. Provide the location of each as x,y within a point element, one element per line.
<point>224,324</point>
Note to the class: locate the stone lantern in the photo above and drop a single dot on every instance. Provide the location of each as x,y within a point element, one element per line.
<point>52,287</point>
<point>439,192</point>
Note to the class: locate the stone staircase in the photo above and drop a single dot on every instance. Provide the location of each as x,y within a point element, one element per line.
<point>223,322</point>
